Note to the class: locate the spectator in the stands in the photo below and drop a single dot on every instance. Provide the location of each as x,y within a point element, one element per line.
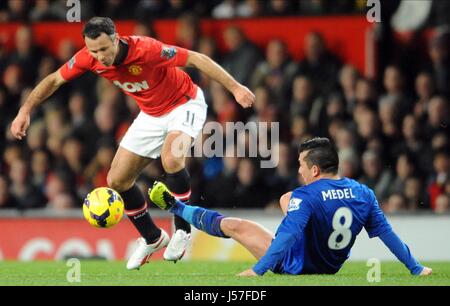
<point>81,123</point>
<point>389,114</point>
<point>367,125</point>
<point>73,162</point>
<point>242,56</point>
<point>283,177</point>
<point>41,11</point>
<point>375,175</point>
<point>442,204</point>
<point>405,168</point>
<point>304,100</point>
<point>312,7</point>
<point>276,71</point>
<point>97,170</point>
<point>222,104</point>
<point>7,200</point>
<point>16,11</point>
<point>280,7</point>
<point>395,204</point>
<point>365,94</point>
<point>348,163</point>
<point>143,28</point>
<point>424,87</point>
<point>264,107</point>
<point>440,140</point>
<point>117,9</point>
<point>441,167</point>
<point>59,183</point>
<point>40,168</point>
<point>413,192</point>
<point>66,50</point>
<point>225,9</point>
<point>348,76</point>
<point>13,82</point>
<point>319,64</point>
<point>188,31</point>
<point>106,120</point>
<point>249,190</point>
<point>395,89</point>
<point>335,107</point>
<point>250,9</point>
<point>208,46</point>
<point>25,193</point>
<point>26,54</point>
<point>299,131</point>
<point>47,65</point>
<point>438,117</point>
<point>36,136</point>
<point>57,127</point>
<point>439,65</point>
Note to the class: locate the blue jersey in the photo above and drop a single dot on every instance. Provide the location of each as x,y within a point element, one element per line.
<point>333,213</point>
<point>321,225</point>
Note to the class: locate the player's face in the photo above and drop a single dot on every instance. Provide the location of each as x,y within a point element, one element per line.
<point>308,174</point>
<point>103,48</point>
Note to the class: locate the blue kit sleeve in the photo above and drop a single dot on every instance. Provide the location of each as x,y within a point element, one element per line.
<point>401,251</point>
<point>377,223</point>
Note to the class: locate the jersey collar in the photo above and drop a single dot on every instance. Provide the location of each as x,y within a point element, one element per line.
<point>123,52</point>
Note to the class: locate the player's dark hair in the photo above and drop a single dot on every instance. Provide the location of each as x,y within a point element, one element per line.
<point>98,25</point>
<point>320,152</point>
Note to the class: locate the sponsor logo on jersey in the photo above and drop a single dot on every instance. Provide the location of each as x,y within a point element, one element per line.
<point>294,204</point>
<point>168,52</point>
<point>135,69</point>
<point>132,87</point>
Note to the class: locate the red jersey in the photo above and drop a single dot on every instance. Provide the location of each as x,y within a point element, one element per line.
<point>149,74</point>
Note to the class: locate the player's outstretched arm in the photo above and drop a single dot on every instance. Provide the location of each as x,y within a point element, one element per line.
<point>42,91</point>
<point>205,64</point>
<point>402,252</point>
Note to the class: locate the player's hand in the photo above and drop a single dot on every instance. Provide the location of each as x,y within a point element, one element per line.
<point>20,125</point>
<point>426,271</point>
<point>248,272</point>
<point>244,96</point>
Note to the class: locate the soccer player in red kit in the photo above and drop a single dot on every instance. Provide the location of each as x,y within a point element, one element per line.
<point>173,111</point>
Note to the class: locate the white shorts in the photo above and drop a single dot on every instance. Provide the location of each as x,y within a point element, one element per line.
<point>146,135</point>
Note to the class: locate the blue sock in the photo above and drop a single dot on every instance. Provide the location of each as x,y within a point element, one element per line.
<point>205,220</point>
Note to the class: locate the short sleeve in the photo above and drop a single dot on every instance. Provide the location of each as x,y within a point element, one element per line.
<point>376,223</point>
<point>76,66</point>
<point>161,55</point>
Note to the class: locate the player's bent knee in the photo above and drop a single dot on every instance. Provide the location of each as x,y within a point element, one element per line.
<point>172,164</point>
<point>117,183</point>
<point>231,226</point>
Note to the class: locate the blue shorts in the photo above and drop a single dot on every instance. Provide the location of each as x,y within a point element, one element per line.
<point>296,261</point>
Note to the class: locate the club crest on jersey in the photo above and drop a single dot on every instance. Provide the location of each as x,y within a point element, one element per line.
<point>135,69</point>
<point>72,62</point>
<point>294,204</point>
<point>168,52</point>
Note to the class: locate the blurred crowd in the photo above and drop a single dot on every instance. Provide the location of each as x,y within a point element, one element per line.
<point>392,132</point>
<point>143,10</point>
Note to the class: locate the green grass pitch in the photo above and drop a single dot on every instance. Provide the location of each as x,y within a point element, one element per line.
<point>160,273</point>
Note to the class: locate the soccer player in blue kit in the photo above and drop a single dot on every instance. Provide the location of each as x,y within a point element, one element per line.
<point>322,220</point>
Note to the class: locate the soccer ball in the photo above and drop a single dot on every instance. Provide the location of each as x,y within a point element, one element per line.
<point>103,207</point>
